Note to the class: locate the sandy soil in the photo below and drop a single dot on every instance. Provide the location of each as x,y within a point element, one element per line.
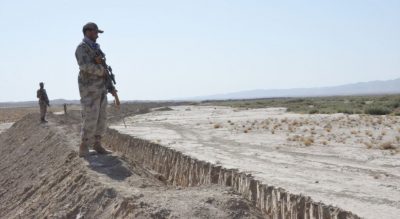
<point>5,126</point>
<point>10,114</point>
<point>13,114</point>
<point>347,161</point>
<point>41,176</point>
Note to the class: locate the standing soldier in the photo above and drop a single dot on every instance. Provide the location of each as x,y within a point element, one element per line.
<point>43,102</point>
<point>92,89</point>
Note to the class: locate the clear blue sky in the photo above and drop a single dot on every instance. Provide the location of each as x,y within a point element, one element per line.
<point>171,49</point>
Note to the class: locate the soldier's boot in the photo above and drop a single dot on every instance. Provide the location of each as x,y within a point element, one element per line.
<point>98,147</point>
<point>83,150</point>
<point>42,119</point>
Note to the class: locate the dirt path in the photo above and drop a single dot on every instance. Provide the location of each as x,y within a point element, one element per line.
<point>42,176</point>
<point>337,167</point>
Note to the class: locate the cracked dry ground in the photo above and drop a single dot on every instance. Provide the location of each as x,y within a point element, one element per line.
<point>41,176</point>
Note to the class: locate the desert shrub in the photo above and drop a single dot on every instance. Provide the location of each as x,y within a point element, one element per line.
<point>394,104</point>
<point>345,111</point>
<point>313,111</point>
<point>368,145</point>
<point>377,110</point>
<point>387,146</point>
<point>164,109</point>
<point>295,100</point>
<point>325,105</point>
<point>143,110</point>
<point>308,141</point>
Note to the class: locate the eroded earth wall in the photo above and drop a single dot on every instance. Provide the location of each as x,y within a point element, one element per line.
<point>182,170</point>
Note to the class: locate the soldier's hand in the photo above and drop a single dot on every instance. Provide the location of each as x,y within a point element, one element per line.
<point>98,60</point>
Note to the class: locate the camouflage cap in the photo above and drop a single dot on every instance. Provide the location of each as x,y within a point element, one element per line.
<point>91,26</point>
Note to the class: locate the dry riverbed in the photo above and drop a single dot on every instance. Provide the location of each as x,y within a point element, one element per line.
<point>350,161</point>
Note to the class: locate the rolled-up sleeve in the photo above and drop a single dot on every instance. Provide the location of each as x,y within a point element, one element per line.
<point>85,64</point>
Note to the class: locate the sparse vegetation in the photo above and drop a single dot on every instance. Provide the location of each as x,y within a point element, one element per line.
<point>217,126</point>
<point>373,131</point>
<point>387,146</point>
<point>373,105</point>
<point>368,145</point>
<point>377,110</point>
<point>308,141</point>
<point>313,111</point>
<point>164,109</point>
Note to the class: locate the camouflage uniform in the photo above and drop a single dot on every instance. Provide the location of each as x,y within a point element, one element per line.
<point>43,103</point>
<point>92,91</point>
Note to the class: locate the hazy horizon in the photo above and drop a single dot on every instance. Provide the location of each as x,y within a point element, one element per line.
<point>168,50</point>
<point>242,92</point>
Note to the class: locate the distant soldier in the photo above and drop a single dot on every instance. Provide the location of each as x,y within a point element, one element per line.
<point>43,102</point>
<point>65,109</point>
<point>92,89</point>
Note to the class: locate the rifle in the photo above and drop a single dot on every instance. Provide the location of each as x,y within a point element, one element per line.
<point>110,79</point>
<point>110,82</point>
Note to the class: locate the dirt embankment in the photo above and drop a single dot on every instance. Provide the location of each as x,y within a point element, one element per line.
<point>41,176</point>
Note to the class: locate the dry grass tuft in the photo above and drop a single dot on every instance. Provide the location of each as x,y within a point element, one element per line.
<point>294,138</point>
<point>217,126</point>
<point>328,127</point>
<point>368,145</point>
<point>387,146</point>
<point>369,133</point>
<point>308,141</point>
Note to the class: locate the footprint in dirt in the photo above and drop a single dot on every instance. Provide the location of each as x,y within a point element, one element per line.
<point>109,165</point>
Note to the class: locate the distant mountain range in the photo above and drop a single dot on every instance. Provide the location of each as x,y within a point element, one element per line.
<point>361,88</point>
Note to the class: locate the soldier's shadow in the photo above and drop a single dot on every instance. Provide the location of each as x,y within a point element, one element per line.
<point>109,165</point>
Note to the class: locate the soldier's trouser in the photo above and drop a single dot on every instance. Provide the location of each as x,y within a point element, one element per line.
<point>43,111</point>
<point>94,117</point>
